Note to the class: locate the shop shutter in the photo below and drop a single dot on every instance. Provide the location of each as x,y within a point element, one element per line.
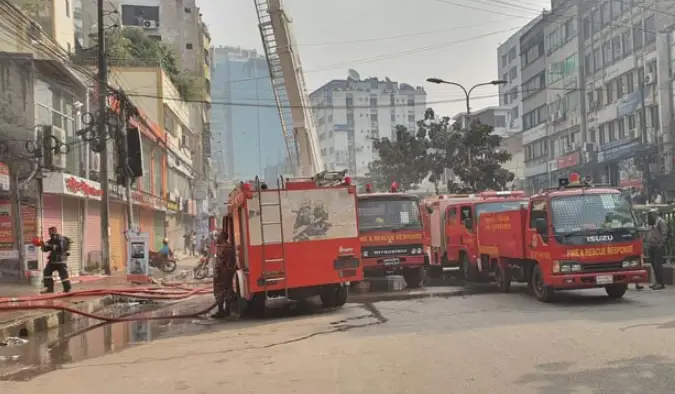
<point>137,216</point>
<point>92,235</point>
<point>118,246</point>
<point>175,232</point>
<point>72,228</point>
<point>147,223</point>
<point>159,229</point>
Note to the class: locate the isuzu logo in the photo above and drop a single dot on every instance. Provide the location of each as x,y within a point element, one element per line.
<point>599,238</point>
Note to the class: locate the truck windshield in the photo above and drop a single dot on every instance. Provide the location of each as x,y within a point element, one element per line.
<point>381,214</point>
<point>591,212</point>
<point>498,207</point>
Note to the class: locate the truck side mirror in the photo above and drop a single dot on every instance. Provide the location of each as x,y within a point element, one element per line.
<point>540,226</point>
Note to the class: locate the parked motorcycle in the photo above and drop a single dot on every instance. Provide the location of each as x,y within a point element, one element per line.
<point>167,265</point>
<point>201,270</point>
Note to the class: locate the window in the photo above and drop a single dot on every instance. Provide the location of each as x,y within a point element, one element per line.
<point>67,8</point>
<point>188,46</point>
<point>637,36</point>
<point>616,9</point>
<point>629,83</point>
<point>465,213</point>
<point>631,122</point>
<point>512,54</point>
<point>606,14</point>
<point>513,74</point>
<point>597,59</point>
<point>627,43</point>
<point>607,53</point>
<point>609,93</point>
<point>451,215</point>
<point>588,62</point>
<point>597,20</point>
<point>650,30</point>
<point>188,10</point>
<point>616,47</point>
<point>587,27</point>
<point>621,127</point>
<point>504,61</point>
<point>539,212</point>
<point>619,87</point>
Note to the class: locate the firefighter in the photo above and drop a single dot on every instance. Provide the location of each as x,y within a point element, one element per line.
<point>58,248</point>
<point>223,274</point>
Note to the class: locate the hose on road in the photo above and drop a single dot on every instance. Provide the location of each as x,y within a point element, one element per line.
<point>36,302</point>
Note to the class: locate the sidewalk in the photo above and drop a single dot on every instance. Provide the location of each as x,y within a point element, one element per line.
<point>21,324</point>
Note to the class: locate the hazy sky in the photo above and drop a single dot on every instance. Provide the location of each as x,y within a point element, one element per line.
<point>405,40</point>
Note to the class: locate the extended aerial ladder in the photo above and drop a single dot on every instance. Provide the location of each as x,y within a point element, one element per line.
<point>290,92</point>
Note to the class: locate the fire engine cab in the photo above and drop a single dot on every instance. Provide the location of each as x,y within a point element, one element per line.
<point>453,233</point>
<point>295,241</point>
<point>576,236</point>
<point>390,230</point>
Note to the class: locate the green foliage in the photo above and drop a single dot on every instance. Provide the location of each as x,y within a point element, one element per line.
<point>403,160</point>
<point>132,47</point>
<point>474,157</point>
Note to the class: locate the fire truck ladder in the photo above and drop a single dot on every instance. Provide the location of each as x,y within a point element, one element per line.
<point>276,223</point>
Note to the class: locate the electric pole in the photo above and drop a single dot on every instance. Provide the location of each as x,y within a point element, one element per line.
<point>103,135</point>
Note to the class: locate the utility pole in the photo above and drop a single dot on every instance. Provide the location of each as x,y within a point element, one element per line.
<point>646,175</point>
<point>103,135</point>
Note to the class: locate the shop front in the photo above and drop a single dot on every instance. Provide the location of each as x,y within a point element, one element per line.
<point>173,210</point>
<point>180,222</point>
<point>565,165</point>
<point>151,217</point>
<point>538,175</point>
<point>618,165</point>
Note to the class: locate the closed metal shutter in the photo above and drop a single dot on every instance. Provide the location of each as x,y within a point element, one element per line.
<point>159,228</point>
<point>51,217</point>
<point>72,228</point>
<point>93,252</point>
<point>147,223</point>
<point>137,216</point>
<point>118,245</point>
<point>175,232</point>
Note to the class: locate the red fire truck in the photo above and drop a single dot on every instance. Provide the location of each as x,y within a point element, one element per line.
<point>390,229</point>
<point>453,238</point>
<point>573,237</point>
<point>295,241</point>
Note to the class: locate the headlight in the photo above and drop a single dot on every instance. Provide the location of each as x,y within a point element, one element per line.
<point>365,253</point>
<point>566,267</point>
<point>633,263</point>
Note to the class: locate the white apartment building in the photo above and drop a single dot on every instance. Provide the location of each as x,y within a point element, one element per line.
<point>350,112</point>
<point>508,69</point>
<point>497,117</point>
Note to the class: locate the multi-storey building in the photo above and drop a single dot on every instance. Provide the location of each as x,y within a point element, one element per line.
<point>508,69</point>
<point>55,17</point>
<point>350,112</point>
<point>247,135</point>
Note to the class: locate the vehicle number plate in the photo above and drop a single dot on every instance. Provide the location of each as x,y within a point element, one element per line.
<point>392,261</point>
<point>604,279</point>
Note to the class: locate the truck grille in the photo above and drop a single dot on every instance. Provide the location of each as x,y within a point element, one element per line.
<point>601,267</point>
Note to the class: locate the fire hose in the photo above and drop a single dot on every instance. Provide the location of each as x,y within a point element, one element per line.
<point>27,303</point>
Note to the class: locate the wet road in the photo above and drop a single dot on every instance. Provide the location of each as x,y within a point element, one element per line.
<point>478,343</point>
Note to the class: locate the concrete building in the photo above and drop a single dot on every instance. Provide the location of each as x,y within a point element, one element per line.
<point>497,117</point>
<point>247,137</point>
<point>55,17</point>
<point>350,112</point>
<point>508,69</point>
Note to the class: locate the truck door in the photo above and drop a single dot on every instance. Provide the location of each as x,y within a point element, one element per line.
<point>537,232</point>
<point>451,240</point>
<point>466,230</point>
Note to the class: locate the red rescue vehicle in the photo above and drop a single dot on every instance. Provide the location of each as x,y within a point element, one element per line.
<point>390,229</point>
<point>295,241</point>
<point>453,235</point>
<point>574,237</point>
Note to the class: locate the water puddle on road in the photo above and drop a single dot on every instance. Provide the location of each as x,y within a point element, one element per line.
<point>88,338</point>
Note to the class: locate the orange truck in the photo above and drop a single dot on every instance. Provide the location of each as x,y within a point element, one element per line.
<point>452,228</point>
<point>391,233</point>
<point>294,241</point>
<point>576,236</point>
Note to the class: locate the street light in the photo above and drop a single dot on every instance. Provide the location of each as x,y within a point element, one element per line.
<point>467,94</point>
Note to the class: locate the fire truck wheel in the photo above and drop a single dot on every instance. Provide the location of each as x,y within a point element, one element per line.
<point>341,295</point>
<point>435,271</point>
<point>469,270</point>
<point>413,278</point>
<point>616,291</point>
<point>543,292</point>
<point>329,296</point>
<point>503,278</point>
<point>255,307</point>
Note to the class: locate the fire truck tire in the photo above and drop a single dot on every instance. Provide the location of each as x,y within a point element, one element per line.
<point>469,270</point>
<point>435,271</point>
<point>503,278</point>
<point>255,307</point>
<point>413,278</point>
<point>616,291</point>
<point>341,295</point>
<point>543,292</point>
<point>332,296</point>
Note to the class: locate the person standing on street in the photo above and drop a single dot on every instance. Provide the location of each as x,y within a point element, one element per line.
<point>223,275</point>
<point>656,246</point>
<point>193,243</point>
<point>58,248</point>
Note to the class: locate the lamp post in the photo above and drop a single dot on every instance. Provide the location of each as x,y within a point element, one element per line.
<point>467,95</point>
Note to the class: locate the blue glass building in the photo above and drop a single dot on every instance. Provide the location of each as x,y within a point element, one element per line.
<point>247,134</point>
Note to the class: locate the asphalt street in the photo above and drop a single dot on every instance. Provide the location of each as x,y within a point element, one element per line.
<point>478,343</point>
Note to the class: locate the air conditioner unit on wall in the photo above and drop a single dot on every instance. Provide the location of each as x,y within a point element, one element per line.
<point>149,24</point>
<point>59,158</point>
<point>649,79</point>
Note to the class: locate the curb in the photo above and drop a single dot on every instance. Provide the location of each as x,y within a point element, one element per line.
<point>27,325</point>
<point>403,295</point>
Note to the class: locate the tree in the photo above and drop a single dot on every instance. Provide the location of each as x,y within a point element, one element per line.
<point>438,131</point>
<point>132,46</point>
<point>404,160</point>
<point>476,158</point>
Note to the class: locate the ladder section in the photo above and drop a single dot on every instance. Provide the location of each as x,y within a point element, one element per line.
<point>287,80</point>
<point>273,253</point>
<point>277,78</point>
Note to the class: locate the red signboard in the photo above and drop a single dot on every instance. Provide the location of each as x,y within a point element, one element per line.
<point>75,186</point>
<point>567,161</point>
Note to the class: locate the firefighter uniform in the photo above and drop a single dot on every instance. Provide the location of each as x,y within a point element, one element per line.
<point>223,275</point>
<point>56,261</point>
